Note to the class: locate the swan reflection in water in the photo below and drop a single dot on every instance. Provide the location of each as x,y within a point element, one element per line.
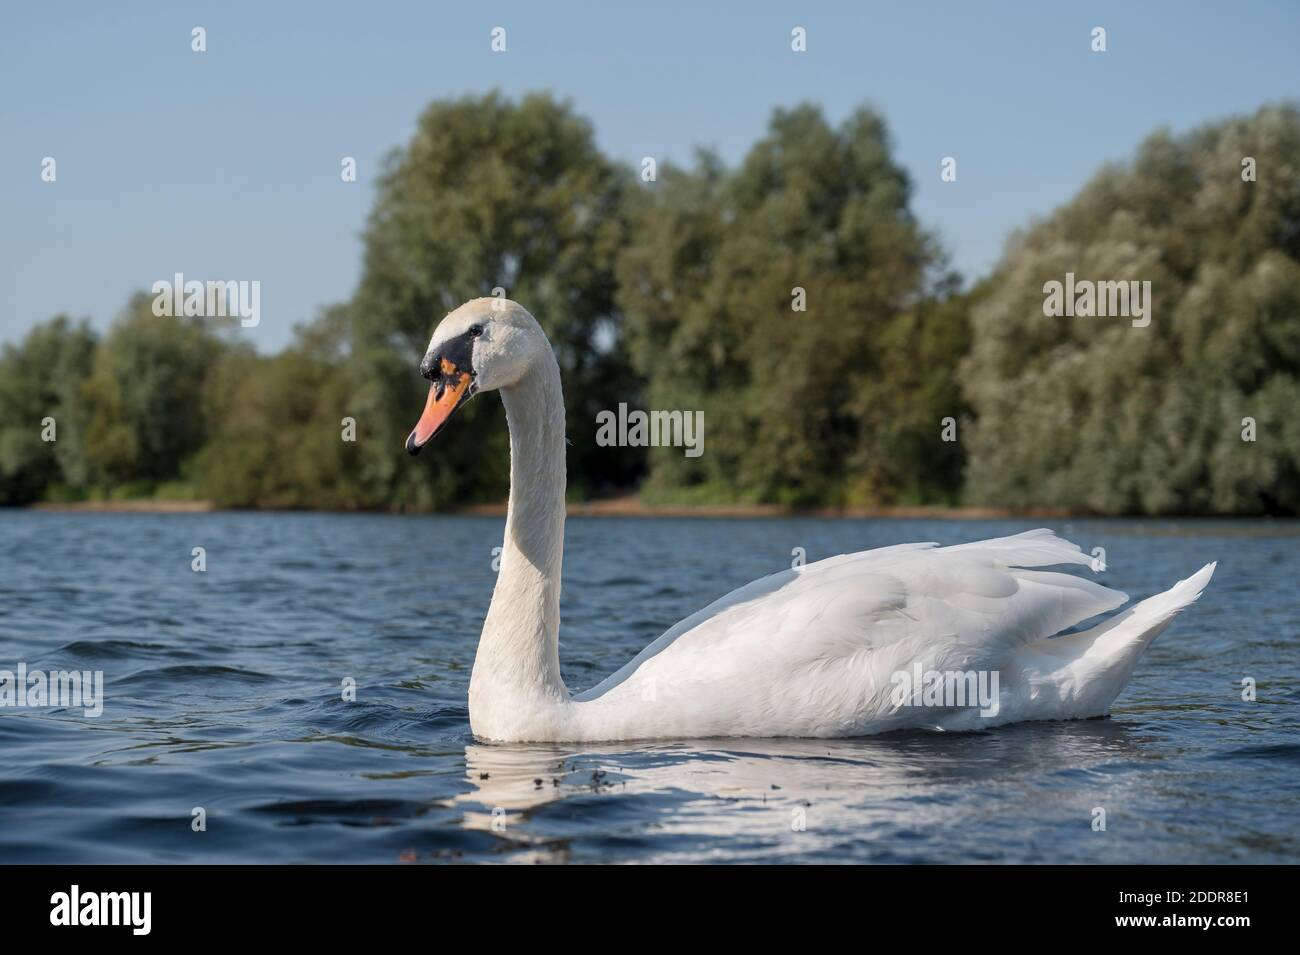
<point>808,795</point>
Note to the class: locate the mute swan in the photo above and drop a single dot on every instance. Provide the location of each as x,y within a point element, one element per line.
<point>817,651</point>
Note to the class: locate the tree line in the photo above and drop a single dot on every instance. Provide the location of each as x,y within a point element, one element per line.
<point>793,298</point>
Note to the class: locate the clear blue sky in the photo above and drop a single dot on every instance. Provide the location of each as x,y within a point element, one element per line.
<point>225,164</point>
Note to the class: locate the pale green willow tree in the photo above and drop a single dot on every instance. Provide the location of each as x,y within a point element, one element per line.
<point>1096,415</point>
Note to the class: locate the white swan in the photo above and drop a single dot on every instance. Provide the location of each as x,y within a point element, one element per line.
<point>815,651</point>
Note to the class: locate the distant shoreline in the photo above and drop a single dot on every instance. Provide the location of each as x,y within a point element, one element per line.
<point>632,507</point>
<point>126,507</point>
<point>629,506</point>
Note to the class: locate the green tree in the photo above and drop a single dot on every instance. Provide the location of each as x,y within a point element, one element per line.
<point>1097,415</point>
<point>145,392</point>
<point>43,378</point>
<point>277,432</point>
<point>489,193</point>
<point>793,400</point>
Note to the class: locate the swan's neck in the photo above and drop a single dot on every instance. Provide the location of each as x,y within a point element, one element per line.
<point>517,668</point>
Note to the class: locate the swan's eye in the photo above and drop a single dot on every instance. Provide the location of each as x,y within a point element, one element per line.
<point>475,331</point>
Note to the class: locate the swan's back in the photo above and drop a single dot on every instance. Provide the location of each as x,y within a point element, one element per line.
<point>814,651</point>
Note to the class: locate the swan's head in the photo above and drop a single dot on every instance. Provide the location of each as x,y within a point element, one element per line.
<point>486,344</point>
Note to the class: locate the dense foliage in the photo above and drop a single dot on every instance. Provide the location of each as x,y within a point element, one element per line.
<point>792,298</point>
<point>785,299</point>
<point>1095,414</point>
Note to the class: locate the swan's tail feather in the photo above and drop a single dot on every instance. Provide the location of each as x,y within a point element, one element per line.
<point>1102,658</point>
<point>1156,612</point>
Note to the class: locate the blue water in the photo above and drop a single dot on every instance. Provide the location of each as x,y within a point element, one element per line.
<point>223,692</point>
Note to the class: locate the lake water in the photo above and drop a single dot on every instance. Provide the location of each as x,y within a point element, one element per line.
<point>223,691</point>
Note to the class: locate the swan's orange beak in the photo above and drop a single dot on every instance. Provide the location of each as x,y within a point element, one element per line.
<point>447,393</point>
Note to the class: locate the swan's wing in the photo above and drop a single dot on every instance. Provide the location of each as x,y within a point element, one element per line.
<point>843,625</point>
